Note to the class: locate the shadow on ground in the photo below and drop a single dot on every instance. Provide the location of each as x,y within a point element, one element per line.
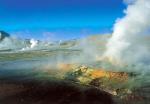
<point>53,92</point>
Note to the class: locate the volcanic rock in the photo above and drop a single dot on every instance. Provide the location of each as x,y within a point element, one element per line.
<point>3,35</point>
<point>109,81</point>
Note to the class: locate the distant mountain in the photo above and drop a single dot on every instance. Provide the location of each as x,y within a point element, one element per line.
<point>3,34</point>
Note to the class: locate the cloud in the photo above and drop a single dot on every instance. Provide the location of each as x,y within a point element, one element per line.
<point>129,1</point>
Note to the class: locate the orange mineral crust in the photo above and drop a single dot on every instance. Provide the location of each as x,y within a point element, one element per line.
<point>109,74</point>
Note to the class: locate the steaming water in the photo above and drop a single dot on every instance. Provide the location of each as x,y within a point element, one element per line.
<point>25,58</point>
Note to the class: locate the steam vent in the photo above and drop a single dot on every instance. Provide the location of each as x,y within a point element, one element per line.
<point>3,34</point>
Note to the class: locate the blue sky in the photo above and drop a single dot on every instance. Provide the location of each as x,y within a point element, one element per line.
<point>62,19</point>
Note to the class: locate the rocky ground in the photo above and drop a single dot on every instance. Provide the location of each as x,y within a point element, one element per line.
<point>113,82</point>
<point>50,92</point>
<point>80,85</point>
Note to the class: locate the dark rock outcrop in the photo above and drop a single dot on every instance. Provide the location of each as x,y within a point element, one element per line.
<point>3,34</point>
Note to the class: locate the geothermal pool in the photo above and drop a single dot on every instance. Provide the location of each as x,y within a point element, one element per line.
<point>98,69</point>
<point>38,77</point>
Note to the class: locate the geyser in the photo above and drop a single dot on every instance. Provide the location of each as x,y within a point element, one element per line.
<point>123,47</point>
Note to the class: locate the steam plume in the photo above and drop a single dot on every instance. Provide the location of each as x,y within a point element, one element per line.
<point>126,30</point>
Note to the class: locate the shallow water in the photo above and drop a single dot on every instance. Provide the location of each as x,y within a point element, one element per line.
<point>23,80</point>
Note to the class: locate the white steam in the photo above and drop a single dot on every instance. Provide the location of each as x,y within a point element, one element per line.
<point>33,43</point>
<point>123,46</point>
